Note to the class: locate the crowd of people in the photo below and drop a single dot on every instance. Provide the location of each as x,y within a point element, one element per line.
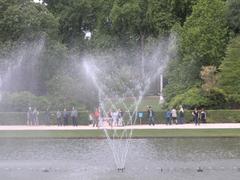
<point>62,117</point>
<point>112,118</point>
<point>175,116</point>
<point>199,116</point>
<point>32,116</point>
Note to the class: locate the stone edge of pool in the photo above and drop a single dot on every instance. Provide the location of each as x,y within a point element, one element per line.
<point>139,131</point>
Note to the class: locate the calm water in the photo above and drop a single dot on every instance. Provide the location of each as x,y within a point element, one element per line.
<point>76,159</point>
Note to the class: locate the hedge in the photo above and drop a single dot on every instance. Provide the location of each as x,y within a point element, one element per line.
<point>213,116</point>
<point>20,118</point>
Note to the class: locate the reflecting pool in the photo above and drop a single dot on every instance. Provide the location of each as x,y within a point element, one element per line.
<point>156,158</point>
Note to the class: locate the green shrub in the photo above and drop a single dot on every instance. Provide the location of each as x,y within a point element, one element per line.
<point>216,98</point>
<point>19,102</point>
<point>195,97</point>
<point>20,118</point>
<point>22,100</point>
<point>213,116</point>
<point>223,116</point>
<point>191,98</point>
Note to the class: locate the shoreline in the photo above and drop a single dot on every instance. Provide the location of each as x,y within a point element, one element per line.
<point>139,131</point>
<point>134,127</point>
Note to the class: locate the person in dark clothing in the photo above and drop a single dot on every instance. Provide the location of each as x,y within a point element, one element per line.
<point>47,117</point>
<point>181,116</point>
<point>59,118</point>
<point>150,115</point>
<point>110,120</point>
<point>168,117</point>
<point>120,118</point>
<point>195,115</point>
<point>74,115</point>
<point>203,116</point>
<point>35,117</point>
<point>65,117</point>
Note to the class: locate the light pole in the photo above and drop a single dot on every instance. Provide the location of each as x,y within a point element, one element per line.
<point>0,88</point>
<point>161,99</point>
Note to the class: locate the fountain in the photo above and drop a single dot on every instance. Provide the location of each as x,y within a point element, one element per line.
<point>24,58</point>
<point>118,83</point>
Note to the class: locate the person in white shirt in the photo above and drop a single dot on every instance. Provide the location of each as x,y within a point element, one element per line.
<point>174,115</point>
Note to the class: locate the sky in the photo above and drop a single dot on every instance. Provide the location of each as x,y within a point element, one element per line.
<point>38,1</point>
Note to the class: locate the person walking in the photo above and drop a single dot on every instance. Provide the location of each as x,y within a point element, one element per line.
<point>47,117</point>
<point>120,117</point>
<point>150,115</point>
<point>96,117</point>
<point>174,115</point>
<point>59,118</point>
<point>74,115</point>
<point>30,116</point>
<point>203,116</point>
<point>181,115</point>
<point>195,115</point>
<point>91,118</point>
<point>35,117</point>
<point>101,117</point>
<point>65,117</point>
<point>115,118</point>
<point>168,117</point>
<point>110,120</point>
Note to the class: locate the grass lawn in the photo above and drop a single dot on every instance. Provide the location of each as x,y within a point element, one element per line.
<point>147,101</point>
<point>143,106</point>
<point>143,133</point>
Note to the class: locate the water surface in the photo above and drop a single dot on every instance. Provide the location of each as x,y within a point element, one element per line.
<point>160,158</point>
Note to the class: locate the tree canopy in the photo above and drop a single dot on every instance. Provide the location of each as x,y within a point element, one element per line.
<point>202,42</point>
<point>229,79</point>
<point>204,70</point>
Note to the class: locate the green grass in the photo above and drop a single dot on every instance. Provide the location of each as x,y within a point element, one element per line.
<point>143,106</point>
<point>149,101</point>
<point>144,133</point>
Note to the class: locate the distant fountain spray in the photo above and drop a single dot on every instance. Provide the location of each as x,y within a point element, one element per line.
<point>25,52</point>
<point>114,88</point>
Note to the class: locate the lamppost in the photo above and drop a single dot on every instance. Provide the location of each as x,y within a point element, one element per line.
<point>0,88</point>
<point>161,99</point>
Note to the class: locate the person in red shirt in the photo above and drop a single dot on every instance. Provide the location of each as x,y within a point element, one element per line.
<point>96,118</point>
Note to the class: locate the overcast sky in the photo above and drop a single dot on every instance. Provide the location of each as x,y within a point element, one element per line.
<point>37,1</point>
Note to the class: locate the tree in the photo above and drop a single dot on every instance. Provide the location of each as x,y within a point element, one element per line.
<point>135,21</point>
<point>205,35</point>
<point>202,42</point>
<point>233,15</point>
<point>26,20</point>
<point>53,61</point>
<point>230,70</point>
<point>182,9</point>
<point>22,24</point>
<point>208,75</point>
<point>75,18</point>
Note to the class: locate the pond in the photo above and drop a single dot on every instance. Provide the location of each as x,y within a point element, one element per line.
<point>156,158</point>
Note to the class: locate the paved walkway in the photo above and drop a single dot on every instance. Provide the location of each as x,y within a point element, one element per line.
<point>160,126</point>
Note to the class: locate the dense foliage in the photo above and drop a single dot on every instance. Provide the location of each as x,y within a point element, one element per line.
<point>229,79</point>
<point>203,73</point>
